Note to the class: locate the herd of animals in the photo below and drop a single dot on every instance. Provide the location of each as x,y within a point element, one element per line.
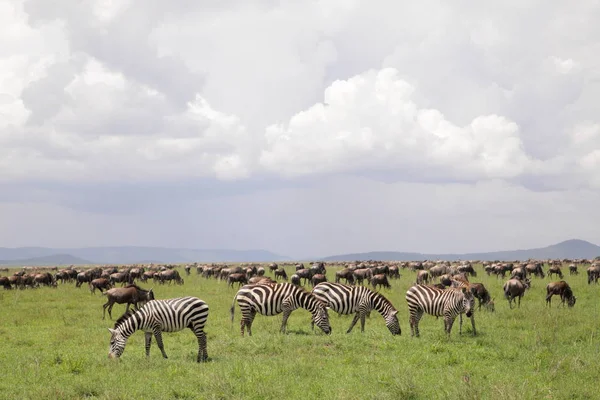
<point>441,289</point>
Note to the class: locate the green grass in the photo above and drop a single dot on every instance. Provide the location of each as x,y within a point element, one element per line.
<point>54,344</point>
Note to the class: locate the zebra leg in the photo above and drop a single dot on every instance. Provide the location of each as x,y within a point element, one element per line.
<point>473,324</point>
<point>202,352</point>
<point>286,315</point>
<point>449,321</point>
<point>460,324</point>
<point>354,321</point>
<point>159,341</point>
<point>148,337</point>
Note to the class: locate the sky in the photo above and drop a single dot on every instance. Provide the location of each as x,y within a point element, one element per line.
<point>305,128</point>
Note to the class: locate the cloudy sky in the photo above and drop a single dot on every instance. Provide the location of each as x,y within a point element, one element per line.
<point>307,128</point>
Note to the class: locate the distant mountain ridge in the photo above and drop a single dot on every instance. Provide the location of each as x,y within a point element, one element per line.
<point>128,255</point>
<point>573,248</point>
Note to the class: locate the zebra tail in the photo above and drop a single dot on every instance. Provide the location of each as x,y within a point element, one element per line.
<point>232,309</point>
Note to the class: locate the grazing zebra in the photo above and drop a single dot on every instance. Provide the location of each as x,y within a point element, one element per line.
<point>448,303</point>
<point>273,299</point>
<point>346,299</point>
<point>157,316</point>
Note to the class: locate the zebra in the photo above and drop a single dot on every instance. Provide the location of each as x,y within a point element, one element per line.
<point>157,316</point>
<point>273,299</point>
<point>448,303</point>
<point>346,299</point>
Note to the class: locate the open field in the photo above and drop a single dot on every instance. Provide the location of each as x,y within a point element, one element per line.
<point>54,344</point>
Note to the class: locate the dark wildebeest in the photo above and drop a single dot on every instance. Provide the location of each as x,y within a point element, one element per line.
<point>345,274</point>
<point>515,288</point>
<point>483,296</point>
<point>555,270</point>
<point>561,289</point>
<point>273,267</point>
<point>381,280</point>
<point>101,284</point>
<point>422,277</point>
<point>241,279</point>
<point>5,282</point>
<point>573,270</point>
<point>281,273</point>
<point>130,294</point>
<point>260,271</point>
<point>318,278</point>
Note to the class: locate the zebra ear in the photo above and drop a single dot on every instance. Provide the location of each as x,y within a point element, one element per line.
<point>464,289</point>
<point>112,331</point>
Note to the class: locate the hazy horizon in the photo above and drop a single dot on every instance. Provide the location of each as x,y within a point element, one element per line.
<point>305,129</point>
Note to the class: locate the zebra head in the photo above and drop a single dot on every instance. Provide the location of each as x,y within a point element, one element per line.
<point>321,318</point>
<point>117,343</point>
<point>391,321</point>
<point>468,301</point>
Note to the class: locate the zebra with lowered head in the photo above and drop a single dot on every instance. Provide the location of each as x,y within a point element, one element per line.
<point>157,316</point>
<point>358,300</point>
<point>273,299</point>
<point>449,303</point>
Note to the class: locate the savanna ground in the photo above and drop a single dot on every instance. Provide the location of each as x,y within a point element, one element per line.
<point>54,344</point>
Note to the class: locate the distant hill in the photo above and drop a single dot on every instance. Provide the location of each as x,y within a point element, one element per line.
<point>573,248</point>
<point>132,255</point>
<point>55,259</point>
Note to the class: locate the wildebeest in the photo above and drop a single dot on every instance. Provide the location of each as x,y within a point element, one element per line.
<point>5,282</point>
<point>361,274</point>
<point>561,289</point>
<point>169,275</point>
<point>593,273</point>
<point>380,280</point>
<point>573,269</point>
<point>318,278</point>
<point>482,295</point>
<point>281,273</point>
<point>241,279</point>
<point>130,294</point>
<point>555,270</point>
<point>305,274</point>
<point>345,274</point>
<point>261,280</point>
<point>101,284</point>
<point>423,277</point>
<point>295,280</point>
<point>515,288</point>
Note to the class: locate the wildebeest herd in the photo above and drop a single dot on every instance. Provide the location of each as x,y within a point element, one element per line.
<point>442,289</point>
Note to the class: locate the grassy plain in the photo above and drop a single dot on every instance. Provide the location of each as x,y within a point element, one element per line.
<point>54,344</point>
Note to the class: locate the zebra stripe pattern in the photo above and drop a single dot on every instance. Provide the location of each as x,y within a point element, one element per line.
<point>157,316</point>
<point>358,300</point>
<point>273,299</point>
<point>449,303</point>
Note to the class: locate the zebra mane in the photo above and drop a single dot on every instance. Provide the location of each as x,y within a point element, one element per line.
<point>124,318</point>
<point>382,298</point>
